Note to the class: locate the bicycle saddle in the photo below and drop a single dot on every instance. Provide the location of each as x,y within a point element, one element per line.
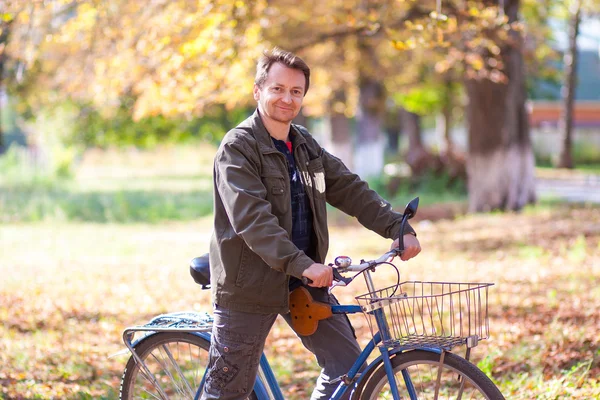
<point>200,271</point>
<point>306,312</point>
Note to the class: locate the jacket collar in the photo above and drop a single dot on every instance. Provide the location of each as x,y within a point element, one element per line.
<point>264,138</point>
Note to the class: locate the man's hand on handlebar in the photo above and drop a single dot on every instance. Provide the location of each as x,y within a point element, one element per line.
<point>320,275</point>
<point>412,247</point>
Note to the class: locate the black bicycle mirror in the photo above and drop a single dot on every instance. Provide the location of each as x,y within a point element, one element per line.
<point>411,208</point>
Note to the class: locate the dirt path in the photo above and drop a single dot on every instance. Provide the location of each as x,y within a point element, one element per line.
<point>572,186</point>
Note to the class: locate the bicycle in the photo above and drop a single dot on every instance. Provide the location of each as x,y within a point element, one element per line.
<point>414,324</point>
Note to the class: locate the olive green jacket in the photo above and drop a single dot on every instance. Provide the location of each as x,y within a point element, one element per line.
<point>251,251</point>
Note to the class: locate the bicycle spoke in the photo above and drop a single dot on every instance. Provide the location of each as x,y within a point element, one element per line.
<point>154,382</point>
<point>422,377</point>
<point>179,372</point>
<point>196,366</point>
<point>439,376</point>
<point>153,396</point>
<point>461,390</point>
<point>170,366</point>
<point>165,360</point>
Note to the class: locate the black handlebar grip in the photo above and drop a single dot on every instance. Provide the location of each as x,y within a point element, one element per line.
<point>338,277</point>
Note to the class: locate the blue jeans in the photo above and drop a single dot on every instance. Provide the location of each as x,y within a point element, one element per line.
<point>238,340</point>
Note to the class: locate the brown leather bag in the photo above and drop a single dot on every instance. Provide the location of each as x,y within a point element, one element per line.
<point>306,312</point>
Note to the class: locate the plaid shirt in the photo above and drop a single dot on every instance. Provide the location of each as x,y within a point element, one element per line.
<point>301,212</point>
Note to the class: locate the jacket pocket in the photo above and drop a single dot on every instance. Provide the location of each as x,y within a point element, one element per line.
<point>317,175</point>
<point>244,274</point>
<point>252,269</point>
<point>277,193</point>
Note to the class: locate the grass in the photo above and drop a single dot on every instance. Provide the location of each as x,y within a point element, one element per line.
<point>590,168</point>
<point>70,287</point>
<point>30,204</point>
<point>432,189</point>
<point>129,186</point>
<point>121,186</point>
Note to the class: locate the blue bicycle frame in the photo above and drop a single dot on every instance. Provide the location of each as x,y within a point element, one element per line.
<point>266,386</point>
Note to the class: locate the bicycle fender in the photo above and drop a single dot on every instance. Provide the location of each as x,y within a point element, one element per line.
<point>203,335</point>
<point>193,322</point>
<point>128,349</point>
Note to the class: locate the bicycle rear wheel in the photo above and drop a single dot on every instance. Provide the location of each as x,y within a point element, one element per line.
<point>176,361</point>
<point>419,370</point>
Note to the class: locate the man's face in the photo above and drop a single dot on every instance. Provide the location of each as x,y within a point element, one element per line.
<point>280,96</point>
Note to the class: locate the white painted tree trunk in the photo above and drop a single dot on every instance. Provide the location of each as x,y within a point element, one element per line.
<point>500,163</point>
<point>370,139</point>
<point>368,158</point>
<point>503,179</point>
<point>337,138</point>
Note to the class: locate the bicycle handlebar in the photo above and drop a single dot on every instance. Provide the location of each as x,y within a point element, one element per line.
<point>370,264</point>
<point>409,212</point>
<point>337,271</point>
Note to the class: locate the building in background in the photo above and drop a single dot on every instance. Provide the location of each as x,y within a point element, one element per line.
<point>546,104</point>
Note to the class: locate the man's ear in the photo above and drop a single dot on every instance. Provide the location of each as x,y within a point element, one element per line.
<point>256,92</point>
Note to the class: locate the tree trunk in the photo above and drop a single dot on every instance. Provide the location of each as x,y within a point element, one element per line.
<point>341,138</point>
<point>452,159</point>
<point>337,135</point>
<point>4,33</point>
<point>568,89</point>
<point>301,119</point>
<point>418,158</point>
<point>2,105</point>
<point>500,163</point>
<point>370,143</point>
<point>393,128</point>
<point>370,117</point>
<point>444,120</point>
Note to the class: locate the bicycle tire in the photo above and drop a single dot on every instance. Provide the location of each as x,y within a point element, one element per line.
<point>161,352</point>
<point>423,366</point>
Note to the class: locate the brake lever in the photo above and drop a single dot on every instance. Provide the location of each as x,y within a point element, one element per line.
<point>397,253</point>
<point>338,279</point>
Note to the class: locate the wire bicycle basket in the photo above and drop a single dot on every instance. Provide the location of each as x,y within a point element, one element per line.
<point>417,314</point>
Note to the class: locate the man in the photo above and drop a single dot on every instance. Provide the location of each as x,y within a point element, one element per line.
<point>271,184</point>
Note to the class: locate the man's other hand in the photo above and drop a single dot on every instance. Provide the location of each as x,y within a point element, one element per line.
<point>412,247</point>
<point>320,275</point>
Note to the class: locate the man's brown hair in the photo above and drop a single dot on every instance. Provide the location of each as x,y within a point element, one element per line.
<point>286,58</point>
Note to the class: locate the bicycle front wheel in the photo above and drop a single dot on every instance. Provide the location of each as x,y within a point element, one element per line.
<point>417,374</point>
<point>176,361</point>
